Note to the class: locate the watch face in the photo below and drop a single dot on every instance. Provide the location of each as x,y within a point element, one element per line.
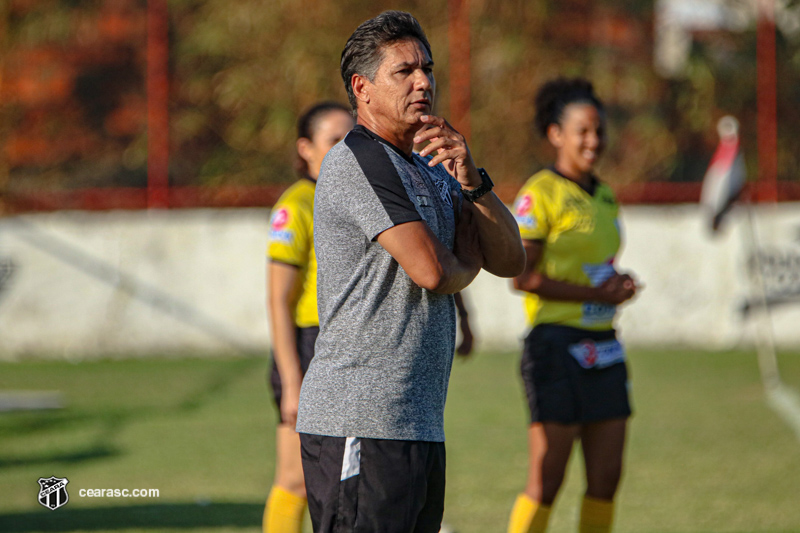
<point>485,177</point>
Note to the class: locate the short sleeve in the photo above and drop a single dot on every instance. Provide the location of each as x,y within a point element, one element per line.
<point>290,234</point>
<point>378,198</point>
<point>531,215</point>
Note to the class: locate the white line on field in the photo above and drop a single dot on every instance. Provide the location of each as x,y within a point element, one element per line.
<point>786,402</point>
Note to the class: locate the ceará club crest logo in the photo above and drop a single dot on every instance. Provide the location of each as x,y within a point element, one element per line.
<point>280,219</point>
<point>53,492</point>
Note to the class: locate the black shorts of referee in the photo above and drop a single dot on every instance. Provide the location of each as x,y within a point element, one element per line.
<point>371,485</point>
<point>306,337</point>
<point>574,376</point>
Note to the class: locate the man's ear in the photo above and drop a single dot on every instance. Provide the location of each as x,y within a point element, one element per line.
<point>360,87</point>
<point>555,135</point>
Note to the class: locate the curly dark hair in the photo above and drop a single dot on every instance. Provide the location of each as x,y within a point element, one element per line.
<point>364,49</point>
<point>555,95</point>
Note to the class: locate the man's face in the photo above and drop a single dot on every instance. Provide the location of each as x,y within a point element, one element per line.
<point>404,86</point>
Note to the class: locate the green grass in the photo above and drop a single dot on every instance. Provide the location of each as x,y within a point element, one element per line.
<point>705,452</point>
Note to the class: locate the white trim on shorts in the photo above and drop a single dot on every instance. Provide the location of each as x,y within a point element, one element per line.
<point>351,462</point>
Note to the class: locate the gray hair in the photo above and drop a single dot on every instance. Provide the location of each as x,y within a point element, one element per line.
<point>363,52</point>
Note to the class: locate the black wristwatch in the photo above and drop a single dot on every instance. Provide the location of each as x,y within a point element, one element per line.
<point>485,186</point>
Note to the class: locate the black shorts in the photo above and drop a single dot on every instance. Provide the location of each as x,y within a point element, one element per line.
<point>306,337</point>
<point>574,376</point>
<point>369,485</point>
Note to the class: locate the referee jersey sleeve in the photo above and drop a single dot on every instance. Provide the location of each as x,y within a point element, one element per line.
<point>531,213</point>
<point>291,234</point>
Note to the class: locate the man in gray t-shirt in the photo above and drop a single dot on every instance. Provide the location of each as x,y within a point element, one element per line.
<point>385,344</point>
<point>396,234</point>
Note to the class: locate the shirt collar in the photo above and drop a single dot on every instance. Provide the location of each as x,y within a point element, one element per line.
<point>360,128</point>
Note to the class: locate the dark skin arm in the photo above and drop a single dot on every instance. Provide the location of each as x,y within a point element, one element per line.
<point>615,290</point>
<point>282,292</point>
<point>467,340</point>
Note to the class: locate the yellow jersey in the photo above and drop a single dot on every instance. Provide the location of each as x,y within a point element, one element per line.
<point>581,237</point>
<point>291,241</point>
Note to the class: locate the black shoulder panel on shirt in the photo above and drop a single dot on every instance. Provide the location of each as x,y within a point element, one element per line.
<point>383,177</point>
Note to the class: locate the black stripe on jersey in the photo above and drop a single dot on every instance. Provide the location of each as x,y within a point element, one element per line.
<point>374,136</point>
<point>382,176</point>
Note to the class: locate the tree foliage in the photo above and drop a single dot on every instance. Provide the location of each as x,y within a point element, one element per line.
<point>74,105</point>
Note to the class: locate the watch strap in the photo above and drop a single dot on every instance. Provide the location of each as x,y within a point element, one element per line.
<point>485,186</point>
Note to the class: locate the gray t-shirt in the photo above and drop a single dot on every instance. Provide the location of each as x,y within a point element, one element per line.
<point>383,356</point>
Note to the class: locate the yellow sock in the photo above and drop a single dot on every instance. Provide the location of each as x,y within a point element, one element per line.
<point>284,512</point>
<point>528,516</point>
<point>596,515</point>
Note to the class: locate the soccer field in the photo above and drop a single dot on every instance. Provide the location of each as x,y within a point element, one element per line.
<point>706,453</point>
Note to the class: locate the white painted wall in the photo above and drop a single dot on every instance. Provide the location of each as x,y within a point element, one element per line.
<point>97,284</point>
<point>89,285</point>
<point>696,282</point>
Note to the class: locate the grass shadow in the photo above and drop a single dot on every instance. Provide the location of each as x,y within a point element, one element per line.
<point>156,517</point>
<point>33,422</point>
<point>217,384</point>
<point>92,453</point>
<point>108,424</point>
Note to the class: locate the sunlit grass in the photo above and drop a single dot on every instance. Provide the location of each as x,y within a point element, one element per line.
<point>705,451</point>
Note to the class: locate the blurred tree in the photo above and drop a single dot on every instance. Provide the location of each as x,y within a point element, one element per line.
<point>4,122</point>
<point>73,106</point>
<point>73,98</point>
<point>244,71</point>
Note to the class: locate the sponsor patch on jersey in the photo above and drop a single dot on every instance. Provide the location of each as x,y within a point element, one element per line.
<point>526,222</point>
<point>281,236</point>
<point>597,313</point>
<point>591,354</point>
<point>599,272</point>
<point>524,205</point>
<point>280,219</point>
<point>522,213</point>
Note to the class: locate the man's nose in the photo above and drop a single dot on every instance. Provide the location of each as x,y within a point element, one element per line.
<point>422,81</point>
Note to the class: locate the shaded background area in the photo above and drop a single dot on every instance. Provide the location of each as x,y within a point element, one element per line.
<point>73,99</point>
<point>186,517</point>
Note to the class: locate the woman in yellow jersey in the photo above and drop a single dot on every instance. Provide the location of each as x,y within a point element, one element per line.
<point>572,365</point>
<point>292,305</point>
